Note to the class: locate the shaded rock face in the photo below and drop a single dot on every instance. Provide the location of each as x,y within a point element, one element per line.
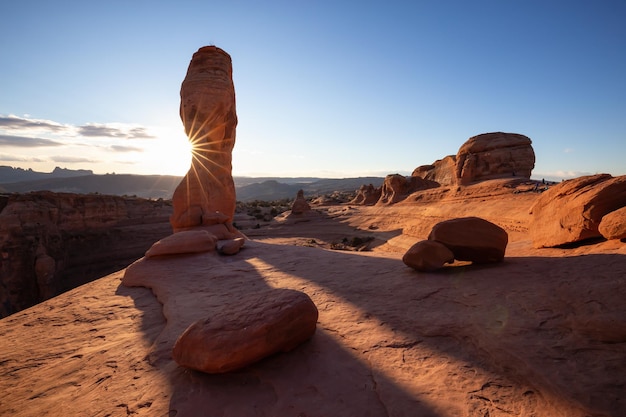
<point>442,171</point>
<point>300,205</point>
<point>258,326</point>
<point>572,211</point>
<point>471,239</point>
<point>397,187</point>
<point>367,195</point>
<point>427,255</point>
<point>52,242</point>
<point>494,155</point>
<point>206,195</point>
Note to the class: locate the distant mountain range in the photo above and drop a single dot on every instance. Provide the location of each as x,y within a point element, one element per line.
<point>163,186</point>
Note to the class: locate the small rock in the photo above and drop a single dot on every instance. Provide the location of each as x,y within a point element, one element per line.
<point>472,239</point>
<point>259,325</point>
<point>427,255</point>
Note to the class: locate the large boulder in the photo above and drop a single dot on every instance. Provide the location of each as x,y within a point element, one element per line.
<point>259,325</point>
<point>572,210</point>
<point>206,195</point>
<point>471,239</point>
<point>494,155</point>
<point>427,255</point>
<point>613,225</point>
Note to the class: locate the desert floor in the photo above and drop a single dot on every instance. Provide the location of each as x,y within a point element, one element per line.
<point>541,334</point>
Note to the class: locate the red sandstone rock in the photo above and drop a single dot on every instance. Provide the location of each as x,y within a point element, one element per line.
<point>442,171</point>
<point>572,210</point>
<point>472,239</point>
<point>397,187</point>
<point>613,224</point>
<point>206,195</point>
<point>427,255</point>
<point>494,155</point>
<point>230,246</point>
<point>367,195</point>
<point>300,205</point>
<point>189,241</point>
<point>259,325</point>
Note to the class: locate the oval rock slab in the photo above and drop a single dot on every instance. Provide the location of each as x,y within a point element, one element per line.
<point>471,239</point>
<point>260,325</point>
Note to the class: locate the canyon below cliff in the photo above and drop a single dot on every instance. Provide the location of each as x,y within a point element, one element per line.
<point>542,333</point>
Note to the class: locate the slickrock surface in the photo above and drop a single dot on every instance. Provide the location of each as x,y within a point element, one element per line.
<point>571,211</point>
<point>540,334</point>
<point>207,109</point>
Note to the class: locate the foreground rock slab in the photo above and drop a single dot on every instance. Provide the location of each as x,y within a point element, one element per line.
<point>257,326</point>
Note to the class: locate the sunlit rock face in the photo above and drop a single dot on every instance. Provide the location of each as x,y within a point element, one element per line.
<point>206,195</point>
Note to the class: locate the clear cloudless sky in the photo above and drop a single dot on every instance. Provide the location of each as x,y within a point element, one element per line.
<point>324,88</point>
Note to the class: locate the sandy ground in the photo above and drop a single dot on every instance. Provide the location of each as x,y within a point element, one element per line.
<point>541,334</point>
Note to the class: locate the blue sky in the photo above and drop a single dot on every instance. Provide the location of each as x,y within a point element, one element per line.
<point>324,88</point>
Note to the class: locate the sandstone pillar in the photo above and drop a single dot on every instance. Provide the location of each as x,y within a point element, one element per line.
<point>206,195</point>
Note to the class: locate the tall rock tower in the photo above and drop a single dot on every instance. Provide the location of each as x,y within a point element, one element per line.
<point>206,195</point>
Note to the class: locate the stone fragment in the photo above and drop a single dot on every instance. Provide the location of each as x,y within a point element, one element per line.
<point>259,325</point>
<point>206,195</point>
<point>494,155</point>
<point>571,211</point>
<point>230,246</point>
<point>189,241</point>
<point>471,239</point>
<point>427,255</point>
<point>613,224</point>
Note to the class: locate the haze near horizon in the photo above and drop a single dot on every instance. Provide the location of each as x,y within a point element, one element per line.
<point>325,90</point>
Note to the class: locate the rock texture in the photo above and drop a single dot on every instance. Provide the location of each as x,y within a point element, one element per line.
<point>258,326</point>
<point>427,255</point>
<point>189,241</point>
<point>442,171</point>
<point>494,155</point>
<point>206,195</point>
<point>397,187</point>
<point>300,205</point>
<point>471,239</point>
<point>367,195</point>
<point>572,210</point>
<point>613,224</point>
<point>52,242</point>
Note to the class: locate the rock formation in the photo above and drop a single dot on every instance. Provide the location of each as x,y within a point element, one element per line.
<point>206,195</point>
<point>259,325</point>
<point>300,205</point>
<point>571,211</point>
<point>427,255</point>
<point>397,187</point>
<point>613,225</point>
<point>471,239</point>
<point>494,155</point>
<point>52,242</point>
<point>442,171</point>
<point>367,195</point>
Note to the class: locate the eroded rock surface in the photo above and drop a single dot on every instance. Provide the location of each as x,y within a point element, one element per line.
<point>52,242</point>
<point>257,326</point>
<point>494,155</point>
<point>571,211</point>
<point>206,195</point>
<point>471,239</point>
